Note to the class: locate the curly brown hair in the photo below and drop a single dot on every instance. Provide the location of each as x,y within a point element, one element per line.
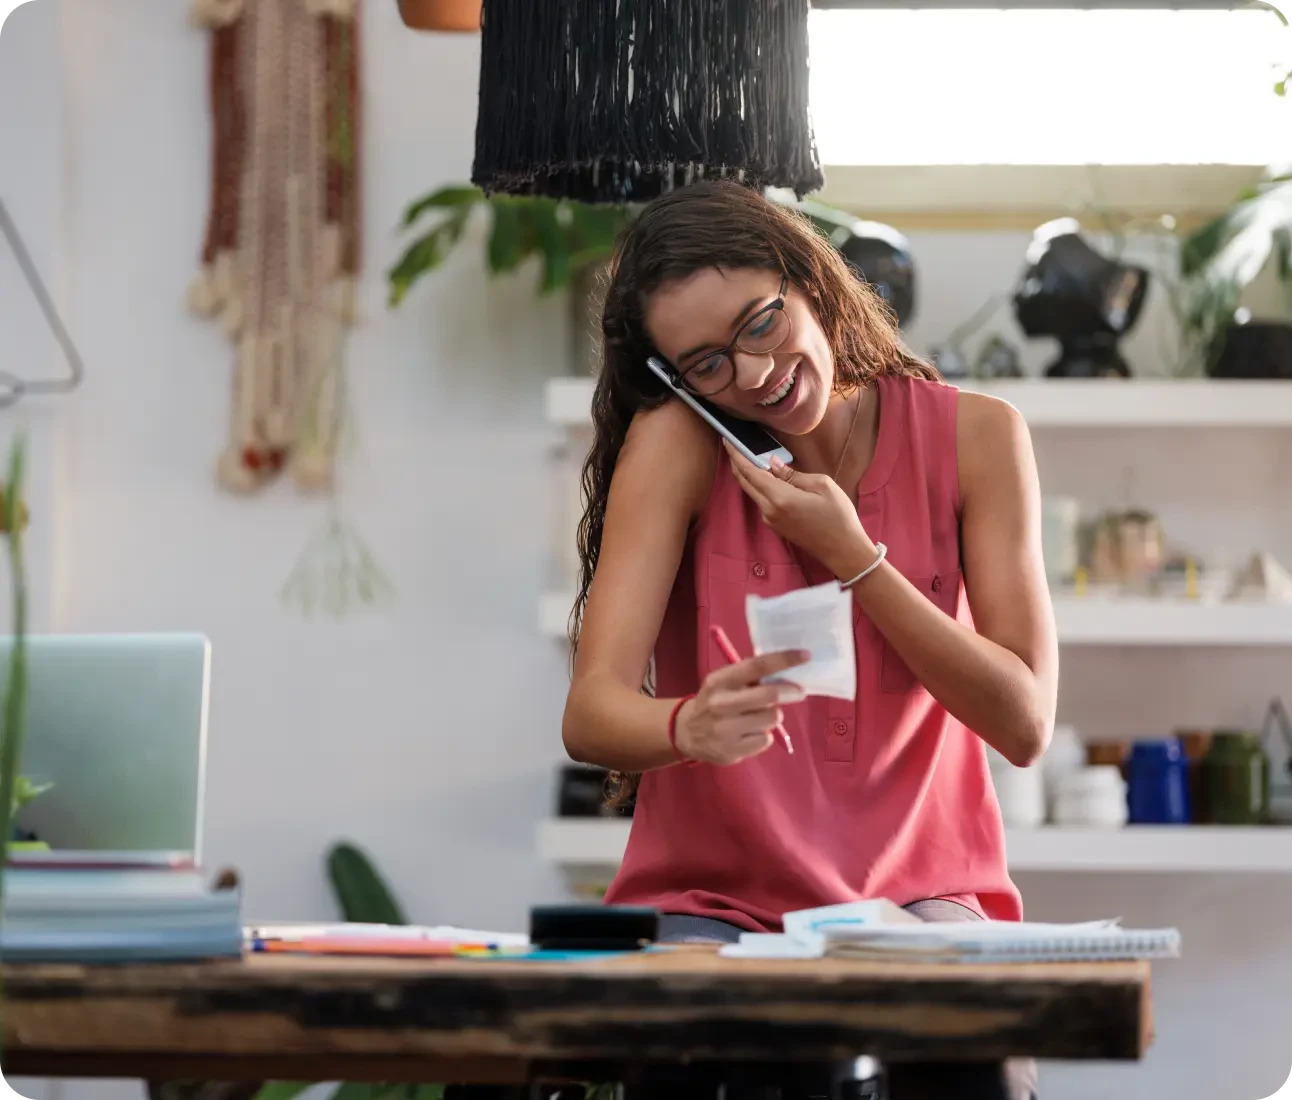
<point>725,225</point>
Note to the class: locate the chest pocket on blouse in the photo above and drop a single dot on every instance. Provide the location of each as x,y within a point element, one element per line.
<point>729,581</point>
<point>943,590</point>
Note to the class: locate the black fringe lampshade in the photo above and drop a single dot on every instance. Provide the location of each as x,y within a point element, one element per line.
<point>616,101</point>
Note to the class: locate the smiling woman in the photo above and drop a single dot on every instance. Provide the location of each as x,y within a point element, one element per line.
<point>923,501</point>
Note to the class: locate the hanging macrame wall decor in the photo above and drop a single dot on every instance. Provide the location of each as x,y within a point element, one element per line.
<point>282,241</point>
<point>281,257</point>
<point>616,101</point>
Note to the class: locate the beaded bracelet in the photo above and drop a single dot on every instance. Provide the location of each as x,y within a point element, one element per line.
<point>672,727</point>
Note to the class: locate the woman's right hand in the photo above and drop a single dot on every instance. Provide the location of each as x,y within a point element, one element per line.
<point>732,716</point>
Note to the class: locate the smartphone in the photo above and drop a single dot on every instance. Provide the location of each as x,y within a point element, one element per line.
<point>752,440</point>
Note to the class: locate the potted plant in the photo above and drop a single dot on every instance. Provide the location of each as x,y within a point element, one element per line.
<point>1221,260</point>
<point>570,240</point>
<point>441,15</point>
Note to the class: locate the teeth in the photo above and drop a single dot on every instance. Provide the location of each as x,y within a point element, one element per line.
<point>781,390</point>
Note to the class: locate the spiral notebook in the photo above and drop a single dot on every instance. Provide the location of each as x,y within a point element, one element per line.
<point>993,942</point>
<point>869,930</point>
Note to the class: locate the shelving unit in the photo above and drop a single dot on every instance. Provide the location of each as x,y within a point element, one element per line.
<point>583,845</point>
<point>1099,622</point>
<point>1071,403</point>
<point>1081,403</point>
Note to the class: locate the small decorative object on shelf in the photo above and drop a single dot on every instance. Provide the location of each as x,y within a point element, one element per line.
<point>582,792</point>
<point>997,358</point>
<point>1263,579</point>
<point>1159,783</point>
<point>1235,780</point>
<point>1108,754</point>
<point>1065,756</point>
<point>1091,797</point>
<point>1196,745</point>
<point>1088,302</point>
<point>1019,791</point>
<point>1278,726</point>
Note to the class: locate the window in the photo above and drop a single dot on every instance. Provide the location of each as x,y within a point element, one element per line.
<point>1043,87</point>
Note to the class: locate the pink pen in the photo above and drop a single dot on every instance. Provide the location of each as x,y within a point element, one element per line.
<point>729,652</point>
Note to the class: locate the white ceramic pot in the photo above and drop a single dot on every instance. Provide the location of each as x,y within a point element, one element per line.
<point>1066,754</point>
<point>1091,798</point>
<point>1060,525</point>
<point>1021,794</point>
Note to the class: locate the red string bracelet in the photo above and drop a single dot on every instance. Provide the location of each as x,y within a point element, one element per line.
<point>672,727</point>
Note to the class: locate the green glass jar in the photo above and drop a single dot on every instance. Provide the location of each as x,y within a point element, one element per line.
<point>1236,779</point>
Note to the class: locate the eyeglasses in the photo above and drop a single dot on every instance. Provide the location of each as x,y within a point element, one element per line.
<point>762,332</point>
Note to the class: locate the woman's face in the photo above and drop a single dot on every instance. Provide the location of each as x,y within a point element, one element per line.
<point>780,370</point>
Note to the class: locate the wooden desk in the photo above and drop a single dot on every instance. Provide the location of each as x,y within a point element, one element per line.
<point>277,1017</point>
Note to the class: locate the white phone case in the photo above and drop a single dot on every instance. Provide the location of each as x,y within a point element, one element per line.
<point>763,460</point>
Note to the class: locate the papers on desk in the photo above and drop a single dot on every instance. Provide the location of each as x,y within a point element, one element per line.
<point>881,931</point>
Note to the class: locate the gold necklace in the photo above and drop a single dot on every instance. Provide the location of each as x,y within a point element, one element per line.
<point>856,414</point>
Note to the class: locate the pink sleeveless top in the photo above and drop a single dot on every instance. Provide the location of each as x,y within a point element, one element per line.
<point>884,797</point>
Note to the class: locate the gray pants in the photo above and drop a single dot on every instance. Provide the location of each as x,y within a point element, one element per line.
<point>1013,1080</point>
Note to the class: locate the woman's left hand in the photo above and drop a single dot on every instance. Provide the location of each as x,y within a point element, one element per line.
<point>808,509</point>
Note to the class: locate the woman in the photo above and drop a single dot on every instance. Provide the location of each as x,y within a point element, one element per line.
<point>888,796</point>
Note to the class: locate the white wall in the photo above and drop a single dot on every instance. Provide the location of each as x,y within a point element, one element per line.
<point>429,733</point>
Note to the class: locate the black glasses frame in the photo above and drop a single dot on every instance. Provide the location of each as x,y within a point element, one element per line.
<point>776,304</point>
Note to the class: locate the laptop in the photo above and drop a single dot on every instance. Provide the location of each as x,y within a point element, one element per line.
<point>117,723</point>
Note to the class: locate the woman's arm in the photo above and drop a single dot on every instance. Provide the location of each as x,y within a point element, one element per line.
<point>661,483</point>
<point>1002,679</point>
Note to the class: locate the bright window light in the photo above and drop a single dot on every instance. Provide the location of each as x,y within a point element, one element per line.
<point>1049,87</point>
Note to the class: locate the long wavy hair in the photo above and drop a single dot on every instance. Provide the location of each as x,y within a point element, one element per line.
<point>725,225</point>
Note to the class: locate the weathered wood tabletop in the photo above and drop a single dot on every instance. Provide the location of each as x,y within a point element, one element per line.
<point>302,1018</point>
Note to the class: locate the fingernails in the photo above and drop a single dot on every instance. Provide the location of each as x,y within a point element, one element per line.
<point>803,655</point>
<point>777,464</point>
<point>791,693</point>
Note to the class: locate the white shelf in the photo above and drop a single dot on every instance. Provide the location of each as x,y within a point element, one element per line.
<point>1145,622</point>
<point>569,402</point>
<point>584,843</point>
<point>1107,622</point>
<point>1069,403</point>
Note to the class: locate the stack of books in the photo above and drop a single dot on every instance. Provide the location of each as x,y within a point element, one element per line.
<point>86,906</point>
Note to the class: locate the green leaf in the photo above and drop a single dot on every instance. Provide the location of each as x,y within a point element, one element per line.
<point>1283,251</point>
<point>360,1090</point>
<point>446,198</point>
<point>361,892</point>
<point>597,227</point>
<point>1203,245</point>
<point>26,791</point>
<point>1236,245</point>
<point>426,254</point>
<point>283,1090</point>
<point>505,250</point>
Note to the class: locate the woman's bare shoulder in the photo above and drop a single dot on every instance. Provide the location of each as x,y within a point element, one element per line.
<point>993,444</point>
<point>672,450</point>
